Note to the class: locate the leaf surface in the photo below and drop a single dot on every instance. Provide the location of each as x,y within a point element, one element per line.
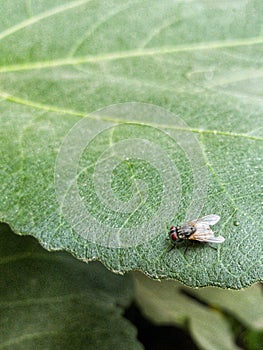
<point>105,185</point>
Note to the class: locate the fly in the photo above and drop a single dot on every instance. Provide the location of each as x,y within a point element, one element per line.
<point>196,230</point>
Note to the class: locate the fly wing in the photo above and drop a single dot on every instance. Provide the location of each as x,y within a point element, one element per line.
<point>205,234</point>
<point>218,239</point>
<point>208,219</point>
<point>203,231</point>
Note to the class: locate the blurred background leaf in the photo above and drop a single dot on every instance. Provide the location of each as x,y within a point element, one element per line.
<point>52,301</point>
<point>206,313</point>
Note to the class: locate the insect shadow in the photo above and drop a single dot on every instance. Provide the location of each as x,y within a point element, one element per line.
<point>187,244</point>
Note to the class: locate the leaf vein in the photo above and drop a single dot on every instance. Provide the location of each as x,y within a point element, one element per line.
<point>55,109</point>
<point>133,54</point>
<point>41,16</point>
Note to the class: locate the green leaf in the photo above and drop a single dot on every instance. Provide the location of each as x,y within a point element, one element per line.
<point>245,305</point>
<point>169,302</point>
<point>253,340</point>
<point>52,301</point>
<point>105,185</point>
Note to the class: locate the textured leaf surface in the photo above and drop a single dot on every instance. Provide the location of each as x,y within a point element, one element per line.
<point>169,302</point>
<point>61,60</point>
<point>52,301</point>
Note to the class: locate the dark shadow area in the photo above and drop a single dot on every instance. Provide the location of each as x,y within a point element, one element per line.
<point>158,337</point>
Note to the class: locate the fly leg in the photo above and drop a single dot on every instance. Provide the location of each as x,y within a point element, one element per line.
<point>212,246</point>
<point>175,244</point>
<point>188,243</point>
<point>187,246</point>
<point>172,247</point>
